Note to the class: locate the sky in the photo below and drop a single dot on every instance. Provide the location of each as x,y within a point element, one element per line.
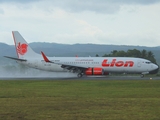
<point>116,22</point>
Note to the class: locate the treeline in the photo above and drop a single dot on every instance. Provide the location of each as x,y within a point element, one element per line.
<point>132,53</point>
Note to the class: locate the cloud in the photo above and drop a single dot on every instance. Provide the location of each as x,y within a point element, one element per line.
<point>142,2</point>
<point>18,1</point>
<point>102,6</point>
<point>87,5</point>
<point>78,21</point>
<point>1,11</point>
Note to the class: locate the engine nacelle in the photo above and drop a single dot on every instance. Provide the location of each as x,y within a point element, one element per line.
<point>94,71</point>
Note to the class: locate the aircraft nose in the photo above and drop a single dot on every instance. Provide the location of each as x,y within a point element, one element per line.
<point>155,70</point>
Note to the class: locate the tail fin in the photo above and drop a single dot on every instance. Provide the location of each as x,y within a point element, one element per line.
<point>22,47</point>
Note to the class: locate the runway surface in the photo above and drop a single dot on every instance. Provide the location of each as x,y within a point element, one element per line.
<point>83,78</point>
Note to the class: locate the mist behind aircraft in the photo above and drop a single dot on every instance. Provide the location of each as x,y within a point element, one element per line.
<point>19,71</point>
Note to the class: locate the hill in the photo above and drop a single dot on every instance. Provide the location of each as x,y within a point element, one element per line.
<point>59,50</point>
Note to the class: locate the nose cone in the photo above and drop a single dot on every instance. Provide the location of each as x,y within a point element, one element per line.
<point>156,69</point>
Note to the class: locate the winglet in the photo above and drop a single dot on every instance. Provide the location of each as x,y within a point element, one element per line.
<point>45,57</point>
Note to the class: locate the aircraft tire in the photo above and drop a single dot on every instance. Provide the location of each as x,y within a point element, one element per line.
<point>79,75</point>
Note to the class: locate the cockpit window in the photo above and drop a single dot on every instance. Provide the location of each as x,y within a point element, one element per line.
<point>148,62</point>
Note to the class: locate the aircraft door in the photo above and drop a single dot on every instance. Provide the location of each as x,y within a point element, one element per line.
<point>139,63</point>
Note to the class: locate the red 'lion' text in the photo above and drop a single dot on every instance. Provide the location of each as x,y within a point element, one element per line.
<point>117,63</point>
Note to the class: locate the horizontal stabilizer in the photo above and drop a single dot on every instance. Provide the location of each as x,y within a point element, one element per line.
<point>15,58</point>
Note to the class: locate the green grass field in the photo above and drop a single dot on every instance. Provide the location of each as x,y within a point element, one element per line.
<point>80,99</point>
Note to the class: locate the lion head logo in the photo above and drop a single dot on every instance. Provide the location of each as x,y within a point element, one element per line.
<point>22,48</point>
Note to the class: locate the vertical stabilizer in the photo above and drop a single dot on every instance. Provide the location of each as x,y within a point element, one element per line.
<point>22,47</point>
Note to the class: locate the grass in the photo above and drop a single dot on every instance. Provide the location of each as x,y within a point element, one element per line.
<point>80,100</point>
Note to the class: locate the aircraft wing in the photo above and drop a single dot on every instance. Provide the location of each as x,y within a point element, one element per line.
<point>13,58</point>
<point>65,66</point>
<point>73,67</point>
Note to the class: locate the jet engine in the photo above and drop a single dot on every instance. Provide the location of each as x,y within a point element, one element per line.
<point>94,71</point>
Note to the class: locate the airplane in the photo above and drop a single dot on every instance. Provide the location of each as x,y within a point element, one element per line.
<point>80,65</point>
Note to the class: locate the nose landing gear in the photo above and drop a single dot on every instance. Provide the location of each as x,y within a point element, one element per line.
<point>142,75</point>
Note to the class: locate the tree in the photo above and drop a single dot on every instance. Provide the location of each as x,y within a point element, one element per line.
<point>150,56</point>
<point>144,53</point>
<point>106,55</point>
<point>132,53</point>
<point>121,54</point>
<point>97,55</point>
<point>114,52</point>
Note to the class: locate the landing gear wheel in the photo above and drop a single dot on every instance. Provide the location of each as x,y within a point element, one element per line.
<point>142,75</point>
<point>79,75</point>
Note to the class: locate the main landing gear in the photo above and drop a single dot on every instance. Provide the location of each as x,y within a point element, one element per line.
<point>79,75</point>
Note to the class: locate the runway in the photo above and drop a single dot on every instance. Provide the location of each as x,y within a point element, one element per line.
<point>83,78</point>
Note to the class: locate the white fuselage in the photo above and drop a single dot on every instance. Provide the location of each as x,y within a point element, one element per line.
<point>109,64</point>
<point>80,65</point>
